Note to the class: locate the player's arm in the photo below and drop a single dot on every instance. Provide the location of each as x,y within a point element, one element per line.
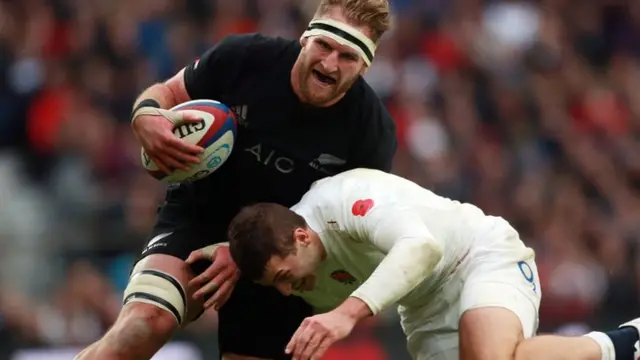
<point>412,254</point>
<point>167,94</point>
<point>205,78</point>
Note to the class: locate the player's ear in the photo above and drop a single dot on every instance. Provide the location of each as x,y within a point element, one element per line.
<point>301,236</point>
<point>364,69</point>
<point>304,40</point>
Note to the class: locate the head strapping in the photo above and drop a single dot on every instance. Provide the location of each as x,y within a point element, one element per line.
<point>344,34</point>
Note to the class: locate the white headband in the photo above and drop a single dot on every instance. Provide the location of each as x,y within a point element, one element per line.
<point>344,35</point>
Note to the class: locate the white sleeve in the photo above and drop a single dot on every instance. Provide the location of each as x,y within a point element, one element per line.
<point>412,254</point>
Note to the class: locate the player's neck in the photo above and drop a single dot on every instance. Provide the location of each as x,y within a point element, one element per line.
<point>293,79</point>
<point>318,242</point>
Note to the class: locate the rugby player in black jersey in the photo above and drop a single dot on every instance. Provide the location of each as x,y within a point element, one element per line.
<point>304,113</point>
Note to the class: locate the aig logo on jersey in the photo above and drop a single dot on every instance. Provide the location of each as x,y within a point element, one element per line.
<point>343,276</point>
<point>269,157</point>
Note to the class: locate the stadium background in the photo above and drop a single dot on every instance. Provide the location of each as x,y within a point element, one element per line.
<point>529,109</point>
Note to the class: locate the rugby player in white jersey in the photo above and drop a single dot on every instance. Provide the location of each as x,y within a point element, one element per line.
<point>466,286</point>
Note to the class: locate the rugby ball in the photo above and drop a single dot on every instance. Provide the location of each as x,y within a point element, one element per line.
<point>216,133</point>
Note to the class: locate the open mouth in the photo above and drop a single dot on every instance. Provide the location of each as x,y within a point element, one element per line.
<point>327,80</point>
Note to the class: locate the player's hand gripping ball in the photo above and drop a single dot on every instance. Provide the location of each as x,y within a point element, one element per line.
<point>215,133</point>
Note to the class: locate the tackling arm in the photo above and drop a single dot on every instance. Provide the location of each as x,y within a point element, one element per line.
<point>412,254</point>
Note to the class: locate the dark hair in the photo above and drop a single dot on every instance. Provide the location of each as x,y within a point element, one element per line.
<point>259,232</point>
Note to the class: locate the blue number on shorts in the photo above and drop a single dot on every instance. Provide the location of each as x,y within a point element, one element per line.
<point>527,272</point>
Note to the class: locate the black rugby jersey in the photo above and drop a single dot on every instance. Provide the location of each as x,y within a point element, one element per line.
<point>282,145</point>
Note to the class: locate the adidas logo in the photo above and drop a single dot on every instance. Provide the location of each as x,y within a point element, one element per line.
<point>241,114</point>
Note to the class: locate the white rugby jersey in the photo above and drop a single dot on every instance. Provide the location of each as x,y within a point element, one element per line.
<point>387,239</point>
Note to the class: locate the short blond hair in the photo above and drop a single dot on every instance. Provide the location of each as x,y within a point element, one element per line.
<point>374,14</point>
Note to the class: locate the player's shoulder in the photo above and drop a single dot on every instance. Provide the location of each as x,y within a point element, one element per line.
<point>340,196</point>
<point>361,174</point>
<point>371,111</point>
<point>363,91</point>
<point>366,97</point>
<point>367,182</point>
<point>352,181</point>
<point>254,48</point>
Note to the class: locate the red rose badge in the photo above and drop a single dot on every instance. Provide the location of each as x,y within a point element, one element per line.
<point>361,207</point>
<point>343,276</point>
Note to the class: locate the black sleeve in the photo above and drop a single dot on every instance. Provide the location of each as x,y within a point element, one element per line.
<point>217,69</point>
<point>378,142</point>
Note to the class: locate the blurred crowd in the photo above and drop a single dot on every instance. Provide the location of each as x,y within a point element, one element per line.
<point>529,109</point>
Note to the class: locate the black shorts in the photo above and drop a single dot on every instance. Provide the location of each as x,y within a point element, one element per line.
<point>256,320</point>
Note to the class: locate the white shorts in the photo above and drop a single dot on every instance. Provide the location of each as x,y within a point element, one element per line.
<point>498,271</point>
